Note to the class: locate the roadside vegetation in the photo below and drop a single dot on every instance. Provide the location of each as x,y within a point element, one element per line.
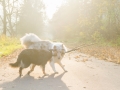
<point>100,48</point>
<point>8,45</point>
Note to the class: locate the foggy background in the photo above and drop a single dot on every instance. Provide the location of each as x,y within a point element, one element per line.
<point>78,20</point>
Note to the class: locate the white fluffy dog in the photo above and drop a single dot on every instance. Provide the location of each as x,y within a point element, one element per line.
<point>32,41</point>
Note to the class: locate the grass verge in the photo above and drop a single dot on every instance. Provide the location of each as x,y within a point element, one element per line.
<point>8,45</point>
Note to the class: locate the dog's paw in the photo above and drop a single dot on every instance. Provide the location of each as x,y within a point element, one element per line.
<point>56,72</point>
<point>20,76</point>
<point>65,71</point>
<point>46,74</point>
<point>39,77</point>
<point>63,65</point>
<point>29,73</point>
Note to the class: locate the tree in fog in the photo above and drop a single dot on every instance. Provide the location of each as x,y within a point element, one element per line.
<point>31,17</point>
<point>9,16</point>
<point>87,18</point>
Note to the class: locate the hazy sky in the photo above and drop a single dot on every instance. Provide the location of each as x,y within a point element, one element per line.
<point>51,6</point>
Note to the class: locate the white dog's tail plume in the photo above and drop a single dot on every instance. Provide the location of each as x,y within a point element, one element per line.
<point>28,39</point>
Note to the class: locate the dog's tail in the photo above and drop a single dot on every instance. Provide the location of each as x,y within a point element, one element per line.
<point>29,39</point>
<point>17,63</point>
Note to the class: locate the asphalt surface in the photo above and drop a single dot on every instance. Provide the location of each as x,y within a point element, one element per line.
<point>84,73</point>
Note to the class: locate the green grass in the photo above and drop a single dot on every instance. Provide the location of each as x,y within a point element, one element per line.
<point>8,45</point>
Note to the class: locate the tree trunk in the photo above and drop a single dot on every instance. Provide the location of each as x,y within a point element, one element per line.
<point>4,15</point>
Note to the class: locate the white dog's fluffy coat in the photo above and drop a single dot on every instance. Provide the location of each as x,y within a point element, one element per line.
<point>32,41</point>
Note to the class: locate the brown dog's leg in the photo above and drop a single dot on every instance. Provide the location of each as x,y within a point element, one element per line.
<point>43,69</point>
<point>20,71</point>
<point>32,68</point>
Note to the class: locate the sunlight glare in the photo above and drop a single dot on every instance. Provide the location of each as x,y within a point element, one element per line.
<point>52,6</point>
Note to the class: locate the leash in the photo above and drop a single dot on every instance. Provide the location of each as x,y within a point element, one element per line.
<point>80,47</point>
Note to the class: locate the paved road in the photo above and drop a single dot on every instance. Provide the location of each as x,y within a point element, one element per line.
<point>84,73</point>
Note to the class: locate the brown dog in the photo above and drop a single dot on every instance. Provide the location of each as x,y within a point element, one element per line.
<point>32,56</point>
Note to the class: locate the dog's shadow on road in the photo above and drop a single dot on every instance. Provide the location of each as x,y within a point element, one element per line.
<point>29,83</point>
